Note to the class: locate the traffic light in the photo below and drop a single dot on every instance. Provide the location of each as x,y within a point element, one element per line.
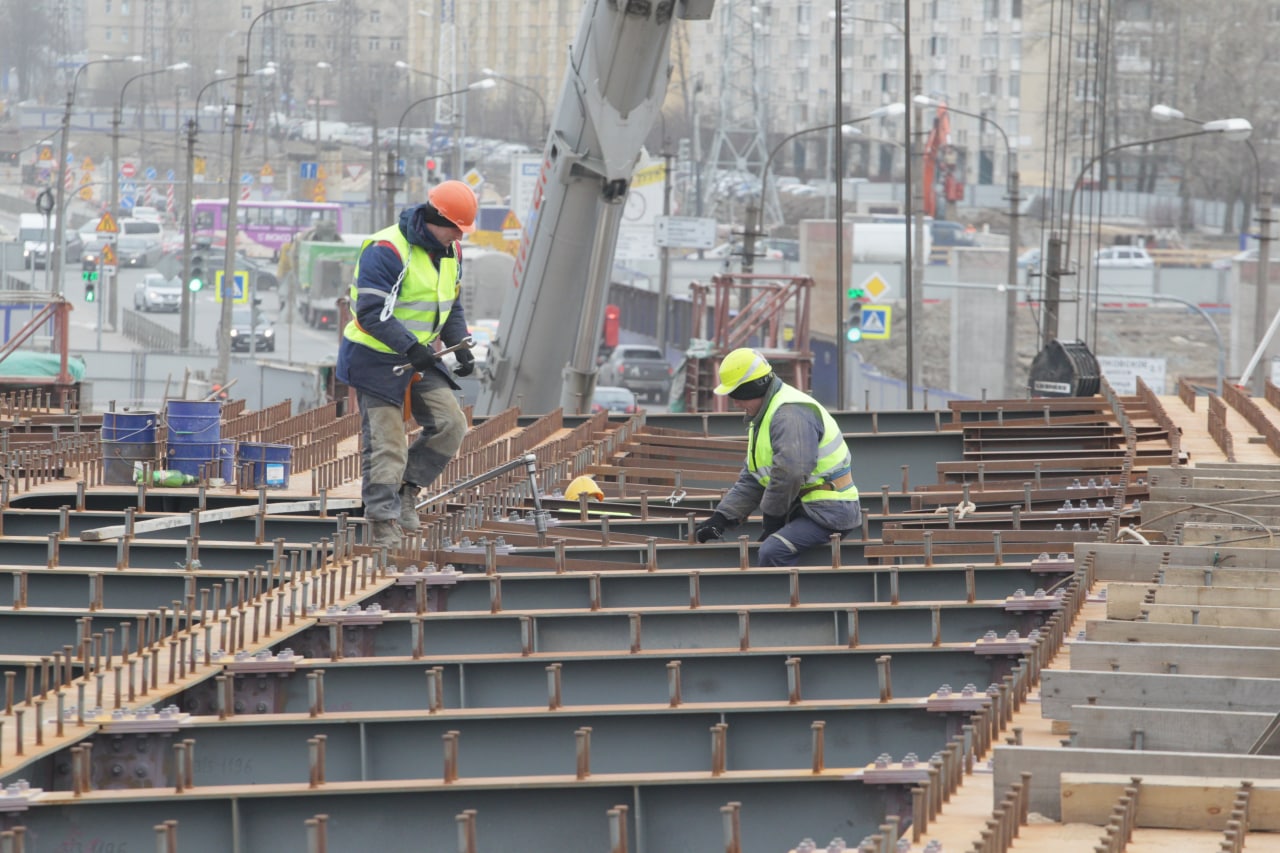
<point>431,170</point>
<point>90,285</point>
<point>196,282</point>
<point>853,322</point>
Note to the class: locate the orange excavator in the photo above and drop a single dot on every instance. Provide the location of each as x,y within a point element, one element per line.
<point>940,157</point>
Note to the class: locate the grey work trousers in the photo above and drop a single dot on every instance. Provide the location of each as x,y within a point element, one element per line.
<point>387,460</point>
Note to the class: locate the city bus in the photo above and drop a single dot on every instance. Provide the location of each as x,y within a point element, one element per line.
<point>264,226</point>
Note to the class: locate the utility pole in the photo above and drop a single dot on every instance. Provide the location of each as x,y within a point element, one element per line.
<point>915,303</point>
<point>1052,269</point>
<point>664,270</point>
<point>1263,283</point>
<point>391,187</point>
<point>233,202</point>
<point>1011,295</point>
<point>184,310</point>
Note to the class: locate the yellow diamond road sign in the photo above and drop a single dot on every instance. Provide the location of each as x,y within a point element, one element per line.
<point>107,224</point>
<point>875,286</point>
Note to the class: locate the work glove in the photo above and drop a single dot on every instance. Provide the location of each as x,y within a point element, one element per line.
<point>713,528</point>
<point>466,363</point>
<point>772,524</point>
<point>422,357</point>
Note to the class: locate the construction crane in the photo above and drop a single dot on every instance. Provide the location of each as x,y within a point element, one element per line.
<point>545,355</point>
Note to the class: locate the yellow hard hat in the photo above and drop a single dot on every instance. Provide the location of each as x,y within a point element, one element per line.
<point>583,485</point>
<point>739,367</point>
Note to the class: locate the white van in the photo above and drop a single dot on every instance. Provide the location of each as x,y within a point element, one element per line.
<point>150,214</point>
<point>33,235</point>
<point>149,227</point>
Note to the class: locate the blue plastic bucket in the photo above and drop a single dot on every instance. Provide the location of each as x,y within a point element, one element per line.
<point>271,463</point>
<point>227,456</point>
<point>118,458</point>
<point>130,427</point>
<point>194,422</point>
<point>188,458</point>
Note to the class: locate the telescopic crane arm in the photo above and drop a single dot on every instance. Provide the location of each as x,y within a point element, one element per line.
<point>614,87</point>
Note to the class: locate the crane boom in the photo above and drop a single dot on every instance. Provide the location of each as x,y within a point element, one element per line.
<point>613,91</point>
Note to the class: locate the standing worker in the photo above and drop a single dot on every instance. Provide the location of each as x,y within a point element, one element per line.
<point>404,297</point>
<point>798,469</point>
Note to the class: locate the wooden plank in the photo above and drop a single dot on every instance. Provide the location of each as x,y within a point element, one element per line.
<point>98,534</point>
<point>1166,729</point>
<point>1061,689</point>
<point>1164,632</point>
<point>1252,662</point>
<point>1170,802</point>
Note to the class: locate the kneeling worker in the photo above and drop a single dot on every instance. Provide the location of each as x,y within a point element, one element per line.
<point>798,468</point>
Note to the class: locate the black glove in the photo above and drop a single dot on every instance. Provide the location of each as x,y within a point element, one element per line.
<point>422,357</point>
<point>772,524</point>
<point>712,528</point>
<point>466,362</point>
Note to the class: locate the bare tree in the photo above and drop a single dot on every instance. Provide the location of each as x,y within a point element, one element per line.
<point>24,41</point>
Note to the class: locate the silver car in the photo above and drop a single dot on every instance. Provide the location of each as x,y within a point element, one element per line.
<point>157,293</point>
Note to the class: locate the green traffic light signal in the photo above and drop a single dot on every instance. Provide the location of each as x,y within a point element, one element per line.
<point>89,275</point>
<point>196,282</point>
<point>853,323</point>
<point>90,291</point>
<point>856,293</point>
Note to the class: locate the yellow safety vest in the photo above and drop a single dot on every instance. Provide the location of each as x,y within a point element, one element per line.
<point>832,476</point>
<point>423,296</point>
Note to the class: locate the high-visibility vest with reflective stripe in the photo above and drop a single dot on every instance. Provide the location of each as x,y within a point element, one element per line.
<point>833,453</point>
<point>426,294</point>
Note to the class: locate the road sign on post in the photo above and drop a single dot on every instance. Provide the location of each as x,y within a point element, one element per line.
<point>108,259</point>
<point>685,232</point>
<point>128,169</point>
<point>239,289</point>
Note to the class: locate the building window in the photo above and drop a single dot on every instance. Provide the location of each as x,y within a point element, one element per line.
<point>375,16</point>
<point>375,43</point>
<point>395,45</point>
<point>288,15</point>
<point>291,42</point>
<point>330,43</point>
<point>1015,9</point>
<point>246,13</point>
<point>990,46</point>
<point>124,7</point>
<point>124,34</point>
<point>106,34</point>
<point>184,10</point>
<point>1015,85</point>
<point>991,10</point>
<point>309,40</point>
<point>184,37</point>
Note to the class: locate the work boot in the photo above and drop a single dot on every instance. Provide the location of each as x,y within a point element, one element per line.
<point>410,523</point>
<point>386,533</point>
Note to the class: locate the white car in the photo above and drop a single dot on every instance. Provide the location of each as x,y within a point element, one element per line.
<point>157,293</point>
<point>1123,257</point>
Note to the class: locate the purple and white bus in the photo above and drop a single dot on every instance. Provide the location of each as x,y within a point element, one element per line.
<point>264,226</point>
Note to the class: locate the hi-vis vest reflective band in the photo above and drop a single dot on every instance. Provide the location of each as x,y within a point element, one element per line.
<point>423,297</point>
<point>834,462</point>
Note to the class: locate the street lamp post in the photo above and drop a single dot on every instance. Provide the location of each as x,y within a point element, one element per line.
<point>755,213</point>
<point>193,129</point>
<point>113,302</point>
<point>60,189</point>
<point>323,66</point>
<point>233,184</point>
<point>1234,129</point>
<point>1262,281</point>
<point>1011,271</point>
<point>486,83</point>
<point>542,102</point>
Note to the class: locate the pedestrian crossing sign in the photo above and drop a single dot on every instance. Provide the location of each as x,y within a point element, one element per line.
<point>875,322</point>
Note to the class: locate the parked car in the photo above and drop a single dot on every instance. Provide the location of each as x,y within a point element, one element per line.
<point>947,233</point>
<point>245,322</point>
<point>137,250</point>
<point>1123,257</point>
<point>40,251</point>
<point>157,293</point>
<point>638,368</point>
<point>614,400</point>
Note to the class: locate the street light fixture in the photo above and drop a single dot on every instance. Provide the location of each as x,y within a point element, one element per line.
<point>1261,334</point>
<point>60,190</point>
<point>1011,272</point>
<point>486,83</point>
<point>542,102</point>
<point>1232,129</point>
<point>755,225</point>
<point>113,302</point>
<point>233,181</point>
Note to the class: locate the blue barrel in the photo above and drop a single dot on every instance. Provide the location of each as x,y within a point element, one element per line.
<point>132,427</point>
<point>194,422</point>
<point>188,458</point>
<point>271,463</point>
<point>119,458</point>
<point>227,456</point>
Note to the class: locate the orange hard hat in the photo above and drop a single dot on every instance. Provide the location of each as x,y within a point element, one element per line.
<point>456,202</point>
